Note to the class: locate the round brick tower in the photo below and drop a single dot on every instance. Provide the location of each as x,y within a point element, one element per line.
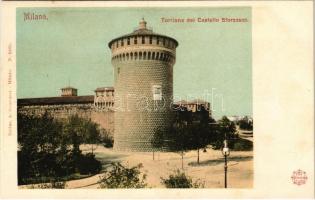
<point>143,73</point>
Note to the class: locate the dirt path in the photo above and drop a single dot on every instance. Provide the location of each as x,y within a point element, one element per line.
<point>210,170</point>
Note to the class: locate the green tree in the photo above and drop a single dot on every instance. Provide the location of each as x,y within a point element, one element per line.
<point>107,138</point>
<point>180,180</point>
<point>157,140</point>
<point>93,135</point>
<point>224,129</point>
<point>119,176</point>
<point>75,131</point>
<point>200,136</point>
<point>245,124</point>
<point>39,139</point>
<point>49,148</point>
<point>181,139</point>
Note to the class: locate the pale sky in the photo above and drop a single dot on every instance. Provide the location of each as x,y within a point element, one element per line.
<point>213,58</point>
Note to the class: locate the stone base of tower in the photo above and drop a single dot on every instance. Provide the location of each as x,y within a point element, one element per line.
<point>133,146</point>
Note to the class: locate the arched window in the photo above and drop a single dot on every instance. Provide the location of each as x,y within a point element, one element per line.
<point>122,42</point>
<point>123,56</point>
<point>119,57</point>
<point>128,41</point>
<point>153,55</point>
<point>161,56</point>
<point>136,55</point>
<point>149,55</point>
<point>144,55</point>
<point>135,41</point>
<point>140,55</point>
<point>127,55</point>
<point>157,56</point>
<point>131,56</point>
<point>150,40</point>
<point>143,40</point>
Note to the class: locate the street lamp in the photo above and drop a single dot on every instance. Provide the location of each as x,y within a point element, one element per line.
<point>225,153</point>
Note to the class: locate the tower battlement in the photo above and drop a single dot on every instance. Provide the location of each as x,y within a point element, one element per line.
<point>143,44</point>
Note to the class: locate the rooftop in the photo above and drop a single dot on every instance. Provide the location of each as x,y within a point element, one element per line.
<point>101,89</point>
<point>69,87</point>
<point>195,101</point>
<point>141,31</point>
<point>56,100</point>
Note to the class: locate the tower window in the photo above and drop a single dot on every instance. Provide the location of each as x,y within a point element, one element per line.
<point>122,43</point>
<point>150,41</point>
<point>128,41</point>
<point>144,55</point>
<point>143,39</point>
<point>140,55</point>
<point>135,40</point>
<point>157,40</point>
<point>157,92</point>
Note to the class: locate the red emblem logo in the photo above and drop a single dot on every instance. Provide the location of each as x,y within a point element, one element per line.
<point>299,177</point>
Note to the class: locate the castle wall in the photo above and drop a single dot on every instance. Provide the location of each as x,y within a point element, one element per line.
<point>104,118</point>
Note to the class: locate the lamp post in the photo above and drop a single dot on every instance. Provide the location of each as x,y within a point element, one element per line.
<point>225,153</point>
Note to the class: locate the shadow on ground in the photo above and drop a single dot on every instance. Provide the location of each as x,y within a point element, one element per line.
<point>220,160</point>
<point>107,159</point>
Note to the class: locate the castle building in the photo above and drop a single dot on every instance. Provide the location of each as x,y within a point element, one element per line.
<point>98,107</point>
<point>143,79</point>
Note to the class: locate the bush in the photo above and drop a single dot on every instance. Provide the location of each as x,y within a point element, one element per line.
<point>240,144</point>
<point>107,139</point>
<point>108,142</point>
<point>120,176</point>
<point>52,185</point>
<point>180,180</point>
<point>245,124</point>
<point>87,164</point>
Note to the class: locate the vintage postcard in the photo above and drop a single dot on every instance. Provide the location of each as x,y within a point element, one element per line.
<point>165,99</point>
